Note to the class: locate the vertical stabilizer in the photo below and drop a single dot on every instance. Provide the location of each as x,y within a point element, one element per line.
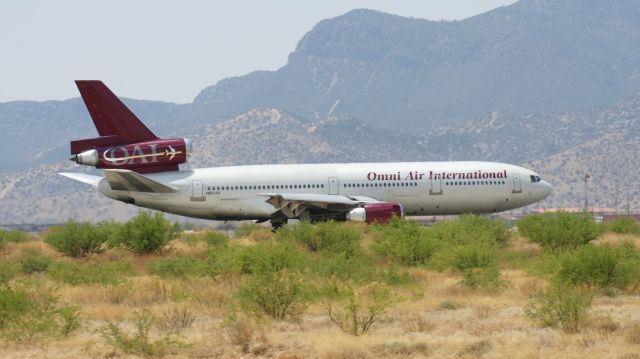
<point>110,116</point>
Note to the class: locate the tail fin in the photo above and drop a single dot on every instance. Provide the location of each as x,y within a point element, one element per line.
<point>115,123</point>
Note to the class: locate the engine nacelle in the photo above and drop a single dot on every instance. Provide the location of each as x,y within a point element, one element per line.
<point>160,154</point>
<point>375,212</point>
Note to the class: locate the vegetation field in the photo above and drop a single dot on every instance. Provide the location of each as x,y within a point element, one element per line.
<point>557,286</point>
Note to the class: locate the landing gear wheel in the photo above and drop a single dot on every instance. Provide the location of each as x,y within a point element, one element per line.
<point>275,225</point>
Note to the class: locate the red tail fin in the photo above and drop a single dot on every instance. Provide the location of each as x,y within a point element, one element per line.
<point>115,123</point>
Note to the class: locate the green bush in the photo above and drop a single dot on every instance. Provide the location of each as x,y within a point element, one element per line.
<point>215,238</point>
<point>355,311</point>
<point>33,260</point>
<point>624,225</point>
<point>267,256</point>
<point>30,311</point>
<point>327,236</point>
<point>14,236</point>
<point>8,270</point>
<point>478,264</point>
<point>358,268</point>
<point>79,239</point>
<point>91,272</point>
<point>146,233</point>
<point>603,266</point>
<point>279,295</point>
<point>405,241</point>
<point>561,307</point>
<point>247,229</point>
<point>560,231</point>
<point>179,267</point>
<point>472,229</point>
<point>13,304</point>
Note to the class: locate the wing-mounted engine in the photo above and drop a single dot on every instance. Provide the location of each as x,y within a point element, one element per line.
<point>144,157</point>
<point>375,212</point>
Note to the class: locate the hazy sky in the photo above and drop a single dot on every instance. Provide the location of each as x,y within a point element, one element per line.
<point>167,50</point>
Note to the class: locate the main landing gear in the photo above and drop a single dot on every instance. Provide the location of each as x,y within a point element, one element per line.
<point>276,224</point>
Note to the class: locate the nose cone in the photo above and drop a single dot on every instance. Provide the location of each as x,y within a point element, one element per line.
<point>545,189</point>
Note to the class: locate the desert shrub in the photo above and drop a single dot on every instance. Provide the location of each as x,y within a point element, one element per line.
<point>279,295</point>
<point>210,237</point>
<point>69,319</point>
<point>603,266</point>
<point>450,304</point>
<point>240,332</point>
<point>358,268</point>
<point>14,236</point>
<point>248,229</point>
<point>559,231</point>
<point>178,267</point>
<point>215,238</point>
<point>405,241</point>
<point>326,236</point>
<point>478,264</point>
<point>355,311</point>
<point>139,342</point>
<point>264,257</point>
<point>32,311</point>
<point>8,270</point>
<point>78,239</point>
<point>146,233</point>
<point>561,307</point>
<point>176,319</point>
<point>624,225</point>
<point>90,272</point>
<point>33,260</point>
<point>13,304</point>
<point>471,229</point>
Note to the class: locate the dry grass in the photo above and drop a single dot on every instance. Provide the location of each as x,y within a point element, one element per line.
<point>437,318</point>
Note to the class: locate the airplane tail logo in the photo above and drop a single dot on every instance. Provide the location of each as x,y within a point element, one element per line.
<point>124,142</point>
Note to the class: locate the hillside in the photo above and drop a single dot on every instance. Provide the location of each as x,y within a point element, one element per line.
<point>536,56</point>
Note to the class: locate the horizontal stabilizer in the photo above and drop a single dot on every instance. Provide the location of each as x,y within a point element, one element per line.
<point>126,180</point>
<point>84,178</point>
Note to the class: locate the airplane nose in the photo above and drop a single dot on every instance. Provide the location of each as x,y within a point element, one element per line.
<point>547,188</point>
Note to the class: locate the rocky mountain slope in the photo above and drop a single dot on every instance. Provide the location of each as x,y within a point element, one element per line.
<point>536,56</point>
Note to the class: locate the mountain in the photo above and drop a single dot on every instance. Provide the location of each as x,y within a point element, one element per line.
<point>535,56</point>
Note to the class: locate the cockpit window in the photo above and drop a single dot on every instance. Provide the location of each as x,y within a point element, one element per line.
<point>535,179</point>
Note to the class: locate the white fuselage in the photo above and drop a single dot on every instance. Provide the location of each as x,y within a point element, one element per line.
<point>422,188</point>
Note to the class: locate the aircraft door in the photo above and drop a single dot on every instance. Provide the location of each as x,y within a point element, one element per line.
<point>517,185</point>
<point>333,185</point>
<point>197,189</point>
<point>436,187</point>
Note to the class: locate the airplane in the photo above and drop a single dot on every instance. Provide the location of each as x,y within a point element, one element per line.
<point>143,169</point>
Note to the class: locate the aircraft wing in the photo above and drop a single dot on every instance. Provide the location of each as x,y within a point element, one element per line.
<point>126,180</point>
<point>293,204</point>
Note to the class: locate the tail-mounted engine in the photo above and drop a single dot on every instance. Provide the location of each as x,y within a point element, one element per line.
<point>149,156</point>
<point>375,212</point>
